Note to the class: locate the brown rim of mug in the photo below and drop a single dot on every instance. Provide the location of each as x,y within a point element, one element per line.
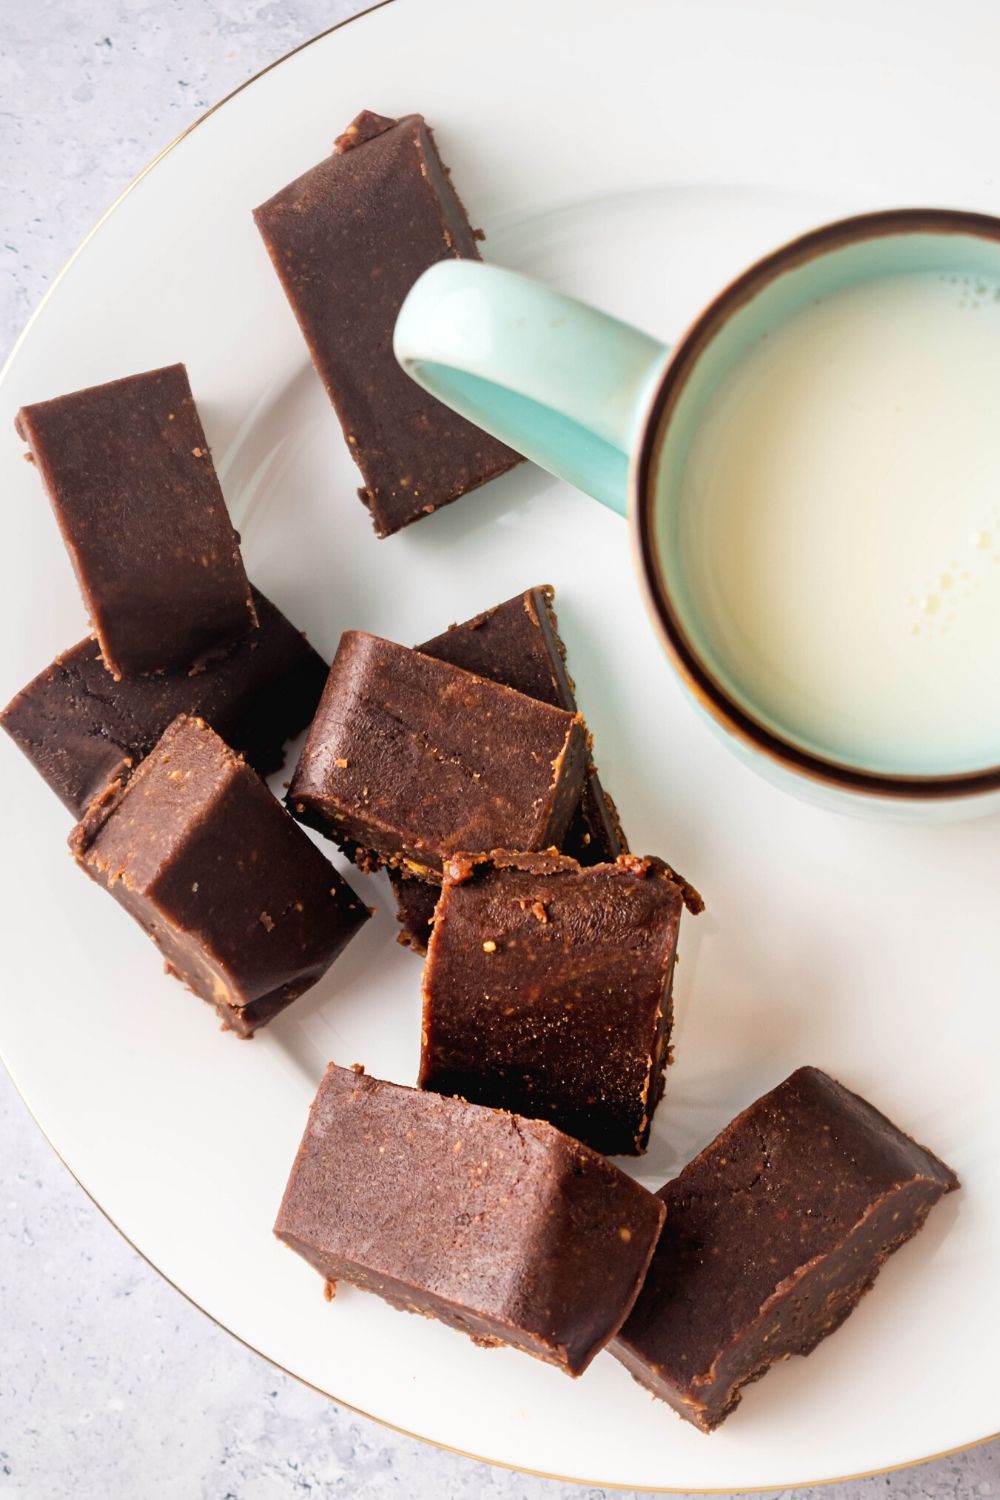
<point>702,683</point>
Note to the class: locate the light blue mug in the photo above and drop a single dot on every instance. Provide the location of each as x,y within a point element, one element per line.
<point>612,411</point>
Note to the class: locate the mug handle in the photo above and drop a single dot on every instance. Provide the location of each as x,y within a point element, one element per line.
<point>556,380</point>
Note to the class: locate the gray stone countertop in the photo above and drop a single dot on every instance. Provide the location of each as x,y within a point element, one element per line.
<point>112,1386</point>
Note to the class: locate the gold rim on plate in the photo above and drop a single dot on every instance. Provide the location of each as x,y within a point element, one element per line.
<point>497,1463</point>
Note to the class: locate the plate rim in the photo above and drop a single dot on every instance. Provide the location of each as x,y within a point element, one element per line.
<point>497,1463</point>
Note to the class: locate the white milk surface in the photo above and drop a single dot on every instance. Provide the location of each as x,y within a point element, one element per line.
<point>840,525</point>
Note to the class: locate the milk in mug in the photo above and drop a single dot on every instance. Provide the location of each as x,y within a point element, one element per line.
<point>839,526</point>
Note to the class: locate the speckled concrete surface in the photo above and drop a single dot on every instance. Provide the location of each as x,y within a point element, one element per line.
<point>111,1385</point>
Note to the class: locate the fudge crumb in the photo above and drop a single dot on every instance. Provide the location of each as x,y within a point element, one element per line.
<point>624,1234</point>
<point>357,1067</point>
<point>341,762</point>
<point>489,946</point>
<point>459,868</point>
<point>364,127</point>
<point>267,921</point>
<point>197,453</point>
<point>329,1290</point>
<point>538,910</point>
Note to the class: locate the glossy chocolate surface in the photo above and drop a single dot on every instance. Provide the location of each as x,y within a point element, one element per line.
<point>135,492</point>
<point>547,990</point>
<point>82,730</point>
<point>517,643</point>
<point>774,1232</point>
<point>502,1228</point>
<point>348,240</point>
<point>245,909</point>
<point>409,759</point>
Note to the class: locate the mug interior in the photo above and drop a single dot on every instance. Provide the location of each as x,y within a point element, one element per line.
<point>820,265</point>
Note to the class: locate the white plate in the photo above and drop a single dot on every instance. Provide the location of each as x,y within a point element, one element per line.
<point>636,154</point>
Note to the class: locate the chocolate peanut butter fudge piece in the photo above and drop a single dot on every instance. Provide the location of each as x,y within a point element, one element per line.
<point>774,1232</point>
<point>502,1228</point>
<point>82,730</point>
<point>409,759</point>
<point>547,990</point>
<point>138,502</point>
<point>244,908</point>
<point>348,240</point>
<point>517,643</point>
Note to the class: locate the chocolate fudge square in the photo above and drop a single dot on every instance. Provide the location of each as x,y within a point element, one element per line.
<point>547,991</point>
<point>81,729</point>
<point>138,502</point>
<point>348,239</point>
<point>517,643</point>
<point>244,908</point>
<point>502,1228</point>
<point>774,1232</point>
<point>409,759</point>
